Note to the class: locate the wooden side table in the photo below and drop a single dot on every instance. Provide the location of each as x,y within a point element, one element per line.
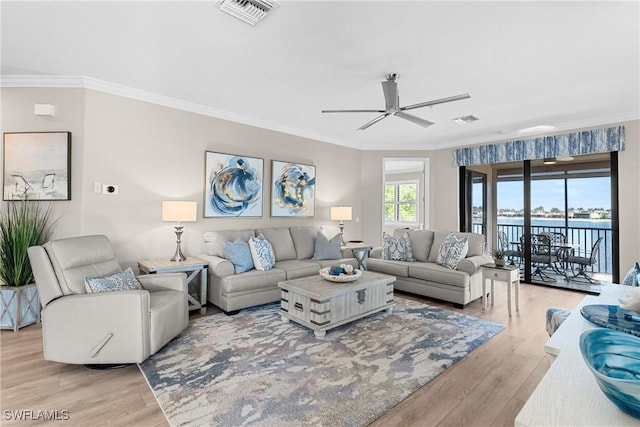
<point>192,266</point>
<point>510,274</point>
<point>360,252</point>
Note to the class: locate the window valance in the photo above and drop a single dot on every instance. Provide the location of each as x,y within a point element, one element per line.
<point>569,144</point>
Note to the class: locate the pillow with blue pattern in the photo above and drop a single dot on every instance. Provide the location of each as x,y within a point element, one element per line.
<point>122,281</point>
<point>397,249</point>
<point>262,253</point>
<point>632,278</point>
<point>327,248</point>
<point>452,250</point>
<point>239,253</point>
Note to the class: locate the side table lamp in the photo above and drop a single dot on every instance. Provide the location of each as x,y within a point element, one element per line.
<point>178,212</point>
<point>342,214</point>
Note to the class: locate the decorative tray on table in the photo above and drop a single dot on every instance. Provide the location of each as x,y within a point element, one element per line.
<point>342,278</point>
<point>612,317</point>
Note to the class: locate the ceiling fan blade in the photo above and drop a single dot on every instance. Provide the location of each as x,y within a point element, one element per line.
<point>414,119</point>
<point>373,122</point>
<point>353,111</point>
<point>437,101</point>
<point>391,100</point>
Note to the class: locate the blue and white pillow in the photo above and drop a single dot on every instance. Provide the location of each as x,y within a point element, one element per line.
<point>452,250</point>
<point>397,250</point>
<point>327,248</point>
<point>262,253</point>
<point>239,253</point>
<point>122,281</point>
<point>632,278</point>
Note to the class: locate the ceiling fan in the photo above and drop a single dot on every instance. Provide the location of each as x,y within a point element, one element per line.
<point>392,101</point>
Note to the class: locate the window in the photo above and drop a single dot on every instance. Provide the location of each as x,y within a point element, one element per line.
<point>401,202</point>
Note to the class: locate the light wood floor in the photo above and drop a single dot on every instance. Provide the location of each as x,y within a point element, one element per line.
<point>487,388</point>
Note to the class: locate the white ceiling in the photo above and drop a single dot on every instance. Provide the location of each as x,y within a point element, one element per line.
<point>563,64</point>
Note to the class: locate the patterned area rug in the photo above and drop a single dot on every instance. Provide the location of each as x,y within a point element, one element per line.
<point>254,369</point>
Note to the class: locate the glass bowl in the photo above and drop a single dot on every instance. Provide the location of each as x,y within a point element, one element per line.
<point>614,359</point>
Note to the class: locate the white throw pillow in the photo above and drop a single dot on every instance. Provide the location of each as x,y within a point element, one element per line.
<point>262,253</point>
<point>452,250</point>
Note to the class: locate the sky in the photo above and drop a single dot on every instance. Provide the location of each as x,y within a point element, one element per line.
<point>586,193</point>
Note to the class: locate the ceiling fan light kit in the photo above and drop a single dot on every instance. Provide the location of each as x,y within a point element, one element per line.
<point>465,119</point>
<point>392,105</point>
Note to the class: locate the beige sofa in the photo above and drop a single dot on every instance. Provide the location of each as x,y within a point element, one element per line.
<point>425,277</point>
<point>293,248</point>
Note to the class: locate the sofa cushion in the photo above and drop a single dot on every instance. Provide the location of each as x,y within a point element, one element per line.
<point>394,268</point>
<point>327,248</point>
<point>214,240</point>
<point>452,250</point>
<point>436,273</point>
<point>296,268</point>
<point>304,240</point>
<point>261,253</point>
<point>281,242</point>
<point>397,249</point>
<point>330,262</point>
<point>252,280</point>
<point>421,241</point>
<point>476,243</point>
<point>239,253</point>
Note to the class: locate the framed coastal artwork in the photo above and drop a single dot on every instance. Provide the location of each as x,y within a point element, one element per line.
<point>37,166</point>
<point>233,185</point>
<point>292,189</point>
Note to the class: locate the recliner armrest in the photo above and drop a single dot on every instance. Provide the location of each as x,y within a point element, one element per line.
<point>472,264</point>
<point>163,282</point>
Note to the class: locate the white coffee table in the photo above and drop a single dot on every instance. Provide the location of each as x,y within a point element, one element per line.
<point>322,305</point>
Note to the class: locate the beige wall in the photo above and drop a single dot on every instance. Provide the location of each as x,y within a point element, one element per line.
<point>155,153</point>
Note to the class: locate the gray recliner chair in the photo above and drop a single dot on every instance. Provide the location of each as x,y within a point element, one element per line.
<point>107,327</point>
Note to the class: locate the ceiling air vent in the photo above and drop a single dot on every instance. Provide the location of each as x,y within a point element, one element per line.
<point>250,11</point>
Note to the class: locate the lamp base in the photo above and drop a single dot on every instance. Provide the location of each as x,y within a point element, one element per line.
<point>341,226</point>
<point>178,255</point>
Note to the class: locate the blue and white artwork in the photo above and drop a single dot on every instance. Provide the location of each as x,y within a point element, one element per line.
<point>233,186</point>
<point>292,189</point>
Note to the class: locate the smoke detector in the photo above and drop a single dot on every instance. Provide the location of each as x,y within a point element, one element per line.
<point>250,11</point>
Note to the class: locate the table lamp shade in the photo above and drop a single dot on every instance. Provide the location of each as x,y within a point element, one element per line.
<point>341,213</point>
<point>176,211</point>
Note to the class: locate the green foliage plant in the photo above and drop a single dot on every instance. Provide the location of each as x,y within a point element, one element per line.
<point>498,253</point>
<point>22,224</point>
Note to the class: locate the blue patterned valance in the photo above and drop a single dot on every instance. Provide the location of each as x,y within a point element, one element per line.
<point>568,144</point>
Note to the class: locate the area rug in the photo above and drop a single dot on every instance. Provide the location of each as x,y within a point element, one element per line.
<point>255,369</point>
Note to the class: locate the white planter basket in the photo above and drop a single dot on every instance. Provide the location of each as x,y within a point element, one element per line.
<point>19,307</point>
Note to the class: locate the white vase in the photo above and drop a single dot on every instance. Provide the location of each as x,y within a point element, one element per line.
<point>19,306</point>
<point>499,262</point>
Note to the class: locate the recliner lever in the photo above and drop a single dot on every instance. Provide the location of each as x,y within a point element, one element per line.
<point>96,350</point>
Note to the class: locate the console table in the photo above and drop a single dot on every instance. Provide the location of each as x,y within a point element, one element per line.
<point>192,266</point>
<point>568,394</point>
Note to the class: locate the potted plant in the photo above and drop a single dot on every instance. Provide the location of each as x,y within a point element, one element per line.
<point>498,257</point>
<point>22,224</point>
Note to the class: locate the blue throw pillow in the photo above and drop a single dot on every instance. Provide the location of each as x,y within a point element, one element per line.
<point>122,281</point>
<point>239,253</point>
<point>327,249</point>
<point>452,251</point>
<point>262,253</point>
<point>632,278</point>
<point>397,250</point>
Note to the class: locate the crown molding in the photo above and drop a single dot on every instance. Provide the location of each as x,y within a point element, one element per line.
<point>50,81</point>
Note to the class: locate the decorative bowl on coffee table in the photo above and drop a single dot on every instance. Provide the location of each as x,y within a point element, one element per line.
<point>342,278</point>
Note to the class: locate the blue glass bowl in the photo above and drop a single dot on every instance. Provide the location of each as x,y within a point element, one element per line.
<point>614,359</point>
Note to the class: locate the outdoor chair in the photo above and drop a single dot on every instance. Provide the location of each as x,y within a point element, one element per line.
<point>509,253</point>
<point>103,327</point>
<point>580,263</point>
<point>542,257</point>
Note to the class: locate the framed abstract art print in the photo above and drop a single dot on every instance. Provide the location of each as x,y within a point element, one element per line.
<point>292,189</point>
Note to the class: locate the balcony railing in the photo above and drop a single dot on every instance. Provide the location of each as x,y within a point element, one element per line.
<point>582,237</point>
